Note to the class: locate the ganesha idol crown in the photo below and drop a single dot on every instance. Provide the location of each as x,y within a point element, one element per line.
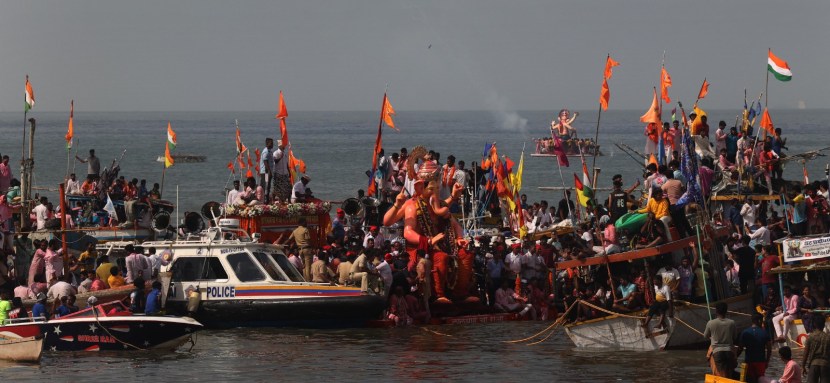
<point>428,171</point>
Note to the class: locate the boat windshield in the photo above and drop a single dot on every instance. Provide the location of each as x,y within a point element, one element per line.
<point>269,265</point>
<point>198,269</point>
<point>288,268</point>
<point>245,268</point>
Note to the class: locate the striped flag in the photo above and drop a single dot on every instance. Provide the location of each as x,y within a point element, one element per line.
<point>70,131</point>
<point>30,95</point>
<point>171,144</point>
<point>779,68</point>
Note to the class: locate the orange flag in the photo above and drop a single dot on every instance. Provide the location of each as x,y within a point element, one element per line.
<point>766,122</point>
<point>704,90</point>
<point>70,131</point>
<point>231,167</point>
<point>388,112</point>
<point>653,114</point>
<point>665,84</point>
<point>609,64</point>
<point>652,160</point>
<point>282,113</point>
<point>605,95</point>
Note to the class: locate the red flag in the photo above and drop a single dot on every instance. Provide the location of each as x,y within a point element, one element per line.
<point>704,90</point>
<point>653,114</point>
<point>560,152</point>
<point>766,122</point>
<point>665,84</point>
<point>605,95</point>
<point>609,64</point>
<point>231,167</point>
<point>281,115</point>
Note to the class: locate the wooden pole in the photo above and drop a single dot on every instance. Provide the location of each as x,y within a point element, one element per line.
<point>23,172</point>
<point>703,271</point>
<point>62,195</point>
<point>766,85</point>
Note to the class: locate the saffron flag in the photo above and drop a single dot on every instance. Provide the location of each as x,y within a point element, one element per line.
<point>282,114</point>
<point>704,90</point>
<point>372,188</point>
<point>665,84</point>
<point>231,167</point>
<point>609,65</point>
<point>171,144</point>
<point>560,152</point>
<point>652,116</point>
<point>240,147</point>
<point>388,112</point>
<point>583,191</point>
<point>70,131</point>
<point>30,95</point>
<point>779,68</point>
<point>605,95</point>
<point>766,122</point>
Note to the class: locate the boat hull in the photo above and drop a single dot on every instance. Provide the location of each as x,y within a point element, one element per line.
<point>627,333</point>
<point>125,333</point>
<point>21,350</point>
<point>324,312</point>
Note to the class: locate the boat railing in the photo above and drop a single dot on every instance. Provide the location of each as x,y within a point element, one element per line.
<point>39,319</point>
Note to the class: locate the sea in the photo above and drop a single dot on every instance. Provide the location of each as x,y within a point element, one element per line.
<point>337,149</point>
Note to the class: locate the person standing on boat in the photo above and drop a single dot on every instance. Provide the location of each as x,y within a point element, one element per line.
<point>135,262</point>
<point>652,133</point>
<point>54,260</point>
<point>93,165</point>
<point>233,193</point>
<point>282,179</point>
<point>756,342</point>
<point>302,238</point>
<point>817,351</point>
<point>722,333</point>
<point>266,167</point>
<point>41,213</point>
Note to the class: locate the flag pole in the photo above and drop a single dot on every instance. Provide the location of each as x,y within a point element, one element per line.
<point>77,143</point>
<point>766,86</point>
<point>596,136</point>
<point>701,88</point>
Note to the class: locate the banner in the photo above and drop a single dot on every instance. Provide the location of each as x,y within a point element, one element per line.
<point>801,249</point>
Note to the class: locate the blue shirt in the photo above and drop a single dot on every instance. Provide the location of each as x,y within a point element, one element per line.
<point>151,306</point>
<point>753,340</point>
<point>337,229</point>
<point>267,155</point>
<point>494,268</point>
<point>62,310</point>
<point>799,209</point>
<point>625,291</point>
<point>39,310</point>
<point>731,146</point>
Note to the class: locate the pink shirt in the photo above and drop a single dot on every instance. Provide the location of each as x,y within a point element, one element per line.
<point>38,266</point>
<point>54,263</point>
<point>792,373</point>
<point>609,236</point>
<point>791,304</point>
<point>5,176</point>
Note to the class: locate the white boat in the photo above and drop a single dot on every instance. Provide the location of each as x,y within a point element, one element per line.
<point>23,346</point>
<point>625,331</point>
<point>224,279</point>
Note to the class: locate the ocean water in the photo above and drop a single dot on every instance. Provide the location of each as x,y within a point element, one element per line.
<point>337,147</point>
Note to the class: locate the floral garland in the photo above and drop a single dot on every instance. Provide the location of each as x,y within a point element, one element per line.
<point>290,210</point>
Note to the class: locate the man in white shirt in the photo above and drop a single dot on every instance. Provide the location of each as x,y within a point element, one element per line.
<point>761,235</point>
<point>298,191</point>
<point>282,179</point>
<point>375,235</point>
<point>41,213</point>
<point>233,194</point>
<point>669,274</point>
<point>513,261</point>
<point>73,186</point>
<point>748,211</point>
<point>545,219</point>
<point>266,167</point>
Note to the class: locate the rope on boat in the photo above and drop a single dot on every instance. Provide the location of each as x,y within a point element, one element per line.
<point>595,307</point>
<point>435,332</point>
<point>699,305</point>
<point>688,325</point>
<point>557,322</point>
<point>95,310</point>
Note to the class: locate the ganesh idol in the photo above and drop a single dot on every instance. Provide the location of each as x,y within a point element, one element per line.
<point>429,226</point>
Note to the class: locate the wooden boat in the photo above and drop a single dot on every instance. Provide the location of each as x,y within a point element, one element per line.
<point>184,158</point>
<point>23,347</point>
<point>110,326</point>
<point>625,331</point>
<point>544,148</point>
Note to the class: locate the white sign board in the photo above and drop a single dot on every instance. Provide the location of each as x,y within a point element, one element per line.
<point>802,249</point>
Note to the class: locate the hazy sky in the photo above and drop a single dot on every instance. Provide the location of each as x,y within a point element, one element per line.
<point>340,54</point>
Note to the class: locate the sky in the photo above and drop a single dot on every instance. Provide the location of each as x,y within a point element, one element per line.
<point>333,55</point>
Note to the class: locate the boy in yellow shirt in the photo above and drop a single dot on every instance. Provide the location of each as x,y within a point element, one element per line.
<point>115,279</point>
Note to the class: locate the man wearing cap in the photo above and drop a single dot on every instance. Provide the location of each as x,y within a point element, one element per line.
<point>345,268</point>
<point>302,237</point>
<point>374,234</point>
<point>320,272</point>
<point>298,191</point>
<point>282,178</point>
<point>385,270</point>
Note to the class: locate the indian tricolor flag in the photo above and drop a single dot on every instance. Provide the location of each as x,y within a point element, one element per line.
<point>779,68</point>
<point>30,95</point>
<point>171,144</point>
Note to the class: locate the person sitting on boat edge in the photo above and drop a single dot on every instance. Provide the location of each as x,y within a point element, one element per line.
<point>509,301</point>
<point>153,303</point>
<point>662,305</point>
<point>651,234</point>
<point>629,299</point>
<point>789,313</point>
<point>115,279</point>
